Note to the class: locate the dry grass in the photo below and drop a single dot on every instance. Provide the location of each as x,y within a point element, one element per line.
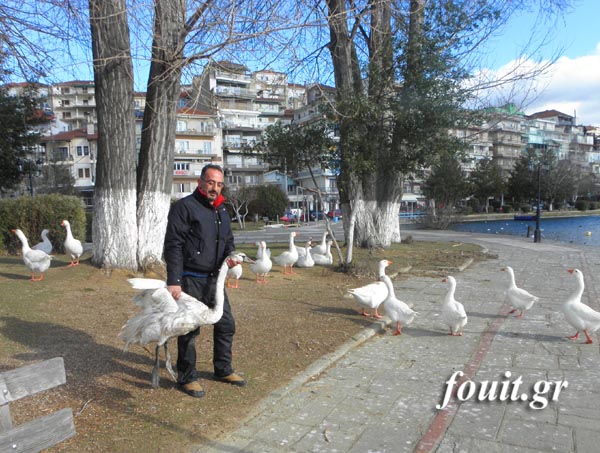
<point>282,327</point>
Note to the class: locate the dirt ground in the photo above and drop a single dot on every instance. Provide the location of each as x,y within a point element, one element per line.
<point>282,327</point>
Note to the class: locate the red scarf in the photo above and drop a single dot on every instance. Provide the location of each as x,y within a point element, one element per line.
<point>218,201</point>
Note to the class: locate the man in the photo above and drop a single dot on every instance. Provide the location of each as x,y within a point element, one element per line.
<point>197,240</point>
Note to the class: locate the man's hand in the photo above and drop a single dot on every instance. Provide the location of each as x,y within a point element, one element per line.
<point>175,291</point>
<point>232,263</point>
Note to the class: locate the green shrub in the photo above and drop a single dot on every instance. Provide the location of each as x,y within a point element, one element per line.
<point>524,208</point>
<point>507,208</point>
<point>582,205</point>
<point>593,205</point>
<point>33,214</point>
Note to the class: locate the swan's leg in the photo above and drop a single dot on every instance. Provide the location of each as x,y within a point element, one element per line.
<point>236,284</point>
<point>587,335</point>
<point>376,314</point>
<point>574,337</point>
<point>155,377</point>
<point>291,269</point>
<point>364,313</point>
<point>521,314</point>
<point>168,365</point>
<point>512,311</point>
<point>398,330</point>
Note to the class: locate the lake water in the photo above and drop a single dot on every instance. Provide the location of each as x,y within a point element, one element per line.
<point>584,230</point>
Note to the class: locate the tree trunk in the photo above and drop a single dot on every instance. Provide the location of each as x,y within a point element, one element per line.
<point>114,229</point>
<point>155,169</point>
<point>370,198</point>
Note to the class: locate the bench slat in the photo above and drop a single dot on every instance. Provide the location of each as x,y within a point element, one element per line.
<point>39,434</point>
<point>31,379</point>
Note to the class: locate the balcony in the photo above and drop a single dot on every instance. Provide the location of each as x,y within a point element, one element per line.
<point>227,91</point>
<point>232,76</point>
<point>206,131</point>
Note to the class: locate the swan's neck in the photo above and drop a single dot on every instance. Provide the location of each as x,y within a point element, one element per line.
<point>512,278</point>
<point>291,242</point>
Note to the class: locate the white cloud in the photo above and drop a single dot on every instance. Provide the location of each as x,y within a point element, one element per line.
<point>570,85</point>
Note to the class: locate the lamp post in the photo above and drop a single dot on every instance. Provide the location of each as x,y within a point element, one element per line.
<point>537,235</point>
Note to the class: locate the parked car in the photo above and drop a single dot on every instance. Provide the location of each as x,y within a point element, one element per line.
<point>288,217</point>
<point>316,215</point>
<point>335,213</point>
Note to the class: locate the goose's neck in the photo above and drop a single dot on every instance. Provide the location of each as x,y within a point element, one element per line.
<point>578,292</point>
<point>390,286</point>
<point>512,278</point>
<point>450,293</point>
<point>291,241</point>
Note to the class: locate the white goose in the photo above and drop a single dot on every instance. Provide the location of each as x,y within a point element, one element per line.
<point>45,245</point>
<point>397,310</point>
<point>302,250</point>
<point>236,271</point>
<point>259,251</point>
<point>163,317</point>
<point>326,259</point>
<point>289,257</point>
<point>519,298</point>
<point>262,265</point>
<point>371,296</point>
<point>73,246</point>
<point>321,249</point>
<point>306,260</point>
<point>37,261</point>
<point>453,312</point>
<point>579,315</point>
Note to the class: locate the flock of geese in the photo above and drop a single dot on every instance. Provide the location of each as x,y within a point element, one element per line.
<point>38,258</point>
<point>161,317</point>
<point>580,316</point>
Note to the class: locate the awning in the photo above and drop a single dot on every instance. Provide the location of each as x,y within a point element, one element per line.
<point>409,197</point>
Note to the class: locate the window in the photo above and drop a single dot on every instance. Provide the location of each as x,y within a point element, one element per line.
<point>64,90</point>
<point>66,115</point>
<point>234,180</point>
<point>83,150</point>
<point>66,102</point>
<point>182,146</point>
<point>206,147</point>
<point>181,126</point>
<point>83,173</point>
<point>251,179</point>
<point>62,153</point>
<point>181,165</point>
<point>86,102</point>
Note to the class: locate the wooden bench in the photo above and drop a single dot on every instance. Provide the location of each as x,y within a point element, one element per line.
<point>43,432</point>
<point>267,221</point>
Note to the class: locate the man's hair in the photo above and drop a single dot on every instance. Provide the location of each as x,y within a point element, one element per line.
<point>210,167</point>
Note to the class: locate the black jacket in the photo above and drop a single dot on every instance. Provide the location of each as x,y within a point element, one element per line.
<point>198,237</point>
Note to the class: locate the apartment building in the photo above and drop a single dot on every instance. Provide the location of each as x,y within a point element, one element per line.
<point>228,90</point>
<point>73,104</point>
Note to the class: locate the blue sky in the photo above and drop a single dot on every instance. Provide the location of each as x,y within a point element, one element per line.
<point>572,84</point>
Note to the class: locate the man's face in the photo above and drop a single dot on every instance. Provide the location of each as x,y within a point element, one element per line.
<point>212,184</point>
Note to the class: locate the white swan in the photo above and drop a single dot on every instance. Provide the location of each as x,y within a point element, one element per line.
<point>321,249</point>
<point>162,317</point>
<point>326,259</point>
<point>371,296</point>
<point>262,265</point>
<point>236,271</point>
<point>45,245</point>
<point>306,260</point>
<point>579,315</point>
<point>397,310</point>
<point>73,246</point>
<point>289,257</point>
<point>37,261</point>
<point>518,298</point>
<point>453,312</point>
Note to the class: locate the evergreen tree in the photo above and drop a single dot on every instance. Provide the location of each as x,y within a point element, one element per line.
<point>17,116</point>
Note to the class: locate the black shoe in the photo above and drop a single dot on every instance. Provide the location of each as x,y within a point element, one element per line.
<point>233,379</point>
<point>193,389</point>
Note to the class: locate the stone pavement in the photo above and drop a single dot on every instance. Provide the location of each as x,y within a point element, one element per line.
<point>378,393</point>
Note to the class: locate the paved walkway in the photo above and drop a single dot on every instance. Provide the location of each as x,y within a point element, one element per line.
<point>378,393</point>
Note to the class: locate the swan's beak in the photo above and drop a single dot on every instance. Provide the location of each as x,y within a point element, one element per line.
<point>248,260</point>
<point>444,280</point>
<point>570,271</point>
<point>503,269</point>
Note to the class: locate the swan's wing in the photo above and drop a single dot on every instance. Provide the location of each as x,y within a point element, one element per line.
<point>588,315</point>
<point>520,296</point>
